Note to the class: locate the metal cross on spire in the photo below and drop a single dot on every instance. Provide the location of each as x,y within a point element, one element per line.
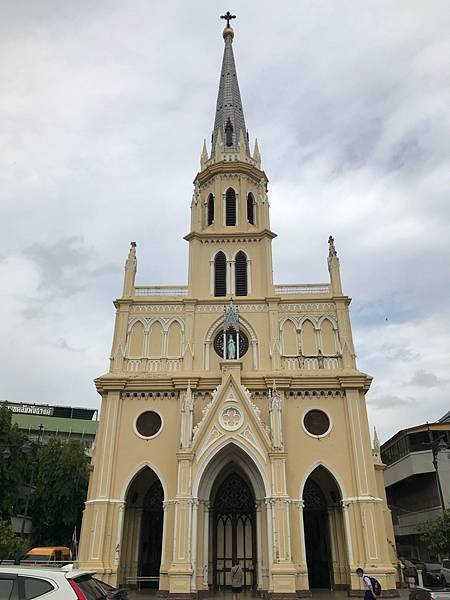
<point>228,16</point>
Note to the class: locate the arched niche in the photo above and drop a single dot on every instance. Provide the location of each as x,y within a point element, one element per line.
<point>136,340</point>
<point>327,337</point>
<point>289,338</point>
<point>174,340</point>
<point>309,339</point>
<point>155,340</point>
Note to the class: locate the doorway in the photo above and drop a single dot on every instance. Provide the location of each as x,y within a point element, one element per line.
<point>234,531</point>
<point>142,530</point>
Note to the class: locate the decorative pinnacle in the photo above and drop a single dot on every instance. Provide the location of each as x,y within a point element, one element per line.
<point>228,16</point>
<point>331,247</point>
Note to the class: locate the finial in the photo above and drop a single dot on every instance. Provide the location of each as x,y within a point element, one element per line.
<point>332,249</point>
<point>132,252</point>
<point>228,31</point>
<point>376,441</point>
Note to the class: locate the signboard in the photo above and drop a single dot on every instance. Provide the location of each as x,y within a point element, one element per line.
<point>30,409</point>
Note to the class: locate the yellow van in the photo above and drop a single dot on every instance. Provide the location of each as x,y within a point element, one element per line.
<point>51,554</point>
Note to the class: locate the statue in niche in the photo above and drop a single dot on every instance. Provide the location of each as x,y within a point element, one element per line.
<point>231,348</point>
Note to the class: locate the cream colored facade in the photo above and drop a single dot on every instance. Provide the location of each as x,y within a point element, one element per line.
<point>233,472</point>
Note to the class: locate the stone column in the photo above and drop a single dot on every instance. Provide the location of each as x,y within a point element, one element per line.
<point>259,544</point>
<point>180,571</point>
<point>283,570</point>
<point>205,544</point>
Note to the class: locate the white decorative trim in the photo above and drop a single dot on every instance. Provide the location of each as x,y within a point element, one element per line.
<point>362,499</point>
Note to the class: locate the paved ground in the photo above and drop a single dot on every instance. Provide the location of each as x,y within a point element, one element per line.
<point>317,595</point>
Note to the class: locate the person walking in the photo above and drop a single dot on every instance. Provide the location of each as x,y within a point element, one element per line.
<point>369,594</point>
<point>236,580</point>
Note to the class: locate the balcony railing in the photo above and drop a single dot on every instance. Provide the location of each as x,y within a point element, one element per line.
<point>302,288</point>
<point>161,290</point>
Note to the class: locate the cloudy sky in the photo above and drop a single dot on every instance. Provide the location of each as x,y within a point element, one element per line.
<point>103,109</point>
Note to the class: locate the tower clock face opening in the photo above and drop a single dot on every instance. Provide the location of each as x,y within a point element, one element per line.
<point>231,333</point>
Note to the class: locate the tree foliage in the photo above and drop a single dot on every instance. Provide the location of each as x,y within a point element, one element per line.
<point>436,534</point>
<point>15,469</point>
<point>61,487</point>
<point>10,543</point>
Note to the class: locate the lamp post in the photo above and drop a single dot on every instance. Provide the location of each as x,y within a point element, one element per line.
<point>439,445</point>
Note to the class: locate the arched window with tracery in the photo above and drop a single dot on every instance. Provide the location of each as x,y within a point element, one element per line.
<point>230,207</point>
<point>251,208</point>
<point>210,210</point>
<point>220,274</point>
<point>241,273</point>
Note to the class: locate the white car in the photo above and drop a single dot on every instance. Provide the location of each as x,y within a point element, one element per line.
<point>445,571</point>
<point>52,583</point>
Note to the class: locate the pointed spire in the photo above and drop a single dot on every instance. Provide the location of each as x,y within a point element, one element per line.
<point>376,441</point>
<point>204,156</point>
<point>256,154</point>
<point>229,121</point>
<point>130,272</point>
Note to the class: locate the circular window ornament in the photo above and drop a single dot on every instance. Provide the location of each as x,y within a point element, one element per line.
<point>243,342</point>
<point>148,424</point>
<point>316,422</point>
<point>231,418</point>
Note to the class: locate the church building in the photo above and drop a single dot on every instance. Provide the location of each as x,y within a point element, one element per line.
<point>233,419</point>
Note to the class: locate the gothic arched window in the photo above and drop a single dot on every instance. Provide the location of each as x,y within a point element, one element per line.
<point>230,207</point>
<point>241,274</point>
<point>251,209</point>
<point>210,210</point>
<point>220,275</point>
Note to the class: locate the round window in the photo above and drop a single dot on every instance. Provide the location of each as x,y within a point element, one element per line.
<point>243,343</point>
<point>316,422</point>
<point>148,424</point>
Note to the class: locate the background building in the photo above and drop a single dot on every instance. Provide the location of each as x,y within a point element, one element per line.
<point>64,422</point>
<point>412,485</point>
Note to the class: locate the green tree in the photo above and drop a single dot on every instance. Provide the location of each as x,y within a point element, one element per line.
<point>15,467</point>
<point>10,543</point>
<point>436,534</point>
<point>61,488</point>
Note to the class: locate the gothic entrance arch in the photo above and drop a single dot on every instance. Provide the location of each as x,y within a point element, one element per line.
<point>142,529</point>
<point>234,531</point>
<point>325,539</point>
<point>231,488</point>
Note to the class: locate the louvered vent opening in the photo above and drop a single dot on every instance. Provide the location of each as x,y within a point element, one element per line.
<point>250,209</point>
<point>230,207</point>
<point>241,274</point>
<point>210,209</point>
<point>220,286</point>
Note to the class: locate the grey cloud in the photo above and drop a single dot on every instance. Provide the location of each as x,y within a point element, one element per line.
<point>391,402</point>
<point>424,379</point>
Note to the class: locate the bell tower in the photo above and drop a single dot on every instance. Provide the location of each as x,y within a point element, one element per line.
<point>230,252</point>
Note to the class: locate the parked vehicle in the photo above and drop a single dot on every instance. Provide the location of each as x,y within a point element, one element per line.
<point>445,571</point>
<point>431,572</point>
<point>24,582</point>
<point>50,554</point>
<point>420,593</point>
<point>433,575</point>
